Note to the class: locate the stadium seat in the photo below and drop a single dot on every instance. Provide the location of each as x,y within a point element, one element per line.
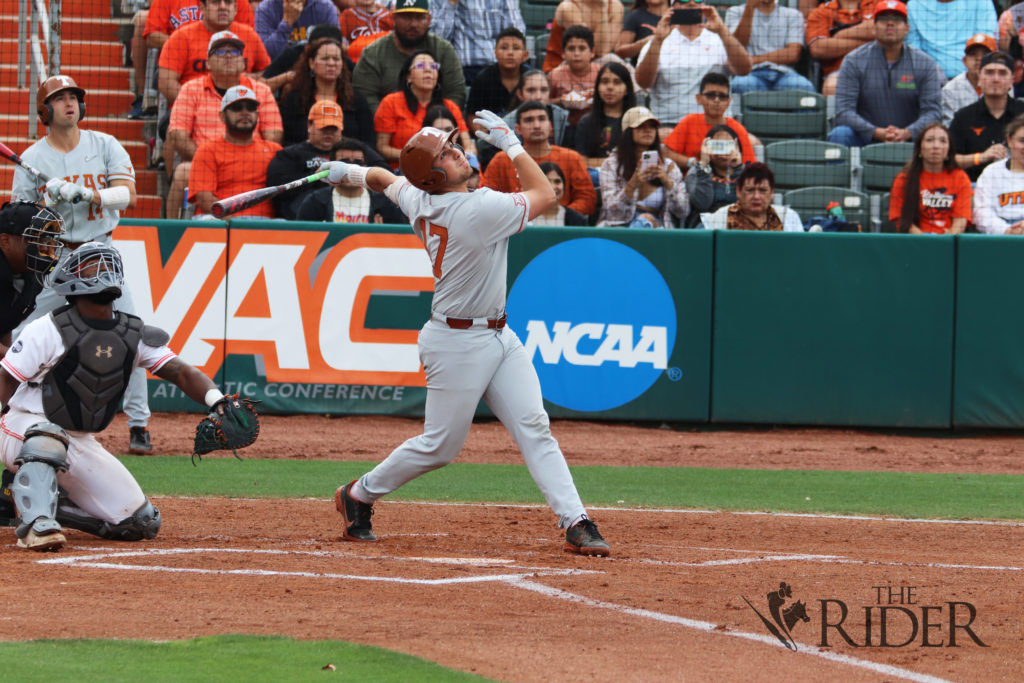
<point>884,224</point>
<point>881,163</point>
<point>813,201</point>
<point>803,163</point>
<point>783,115</point>
<point>537,15</point>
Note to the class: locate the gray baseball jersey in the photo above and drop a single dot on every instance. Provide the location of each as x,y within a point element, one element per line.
<point>466,235</point>
<point>98,160</point>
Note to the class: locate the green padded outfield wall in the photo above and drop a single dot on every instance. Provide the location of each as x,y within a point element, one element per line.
<point>837,329</point>
<point>989,376</point>
<point>323,319</point>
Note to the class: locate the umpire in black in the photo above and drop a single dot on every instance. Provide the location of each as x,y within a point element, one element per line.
<point>29,249</point>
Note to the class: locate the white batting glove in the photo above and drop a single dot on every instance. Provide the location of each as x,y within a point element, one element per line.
<point>75,193</point>
<point>53,187</point>
<point>498,133</point>
<point>341,171</point>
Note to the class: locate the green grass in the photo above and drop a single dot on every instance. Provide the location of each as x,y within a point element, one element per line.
<point>946,496</point>
<point>221,658</point>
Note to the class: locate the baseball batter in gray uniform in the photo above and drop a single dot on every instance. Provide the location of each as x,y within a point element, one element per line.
<point>467,351</point>
<point>92,181</point>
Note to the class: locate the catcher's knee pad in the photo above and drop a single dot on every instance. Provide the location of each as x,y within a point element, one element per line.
<point>143,523</point>
<point>44,452</point>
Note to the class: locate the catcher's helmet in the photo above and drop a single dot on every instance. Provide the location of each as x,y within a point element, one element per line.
<point>418,155</point>
<point>42,229</point>
<point>93,268</point>
<point>50,87</point>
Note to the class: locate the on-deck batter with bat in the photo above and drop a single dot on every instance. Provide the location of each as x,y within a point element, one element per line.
<point>236,163</point>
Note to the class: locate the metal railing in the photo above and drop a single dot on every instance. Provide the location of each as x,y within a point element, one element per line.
<point>38,30</point>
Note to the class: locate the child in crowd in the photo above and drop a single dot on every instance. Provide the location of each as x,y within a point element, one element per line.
<point>572,81</point>
<point>494,87</point>
<point>367,18</point>
<point>684,142</point>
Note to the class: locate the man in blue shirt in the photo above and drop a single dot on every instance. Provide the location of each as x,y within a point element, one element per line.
<point>887,91</point>
<point>940,28</point>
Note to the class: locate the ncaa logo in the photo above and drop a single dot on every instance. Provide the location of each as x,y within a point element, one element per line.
<point>604,335</point>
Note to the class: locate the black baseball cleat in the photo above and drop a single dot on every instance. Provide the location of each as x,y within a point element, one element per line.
<point>139,442</point>
<point>356,515</point>
<point>583,538</point>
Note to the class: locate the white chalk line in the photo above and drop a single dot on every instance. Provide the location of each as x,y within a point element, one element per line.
<point>716,629</point>
<point>93,561</point>
<point>521,580</point>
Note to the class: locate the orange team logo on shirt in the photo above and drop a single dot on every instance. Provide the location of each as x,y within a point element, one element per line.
<point>1011,198</point>
<point>978,131</point>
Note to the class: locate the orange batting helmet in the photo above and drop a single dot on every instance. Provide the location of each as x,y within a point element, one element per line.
<point>50,87</point>
<point>418,155</point>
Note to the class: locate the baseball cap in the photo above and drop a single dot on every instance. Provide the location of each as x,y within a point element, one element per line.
<point>326,113</point>
<point>998,58</point>
<point>980,39</point>
<point>225,37</point>
<point>637,116</point>
<point>238,92</point>
<point>890,6</point>
<point>412,6</point>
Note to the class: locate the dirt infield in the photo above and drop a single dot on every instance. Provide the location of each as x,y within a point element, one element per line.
<point>487,588</point>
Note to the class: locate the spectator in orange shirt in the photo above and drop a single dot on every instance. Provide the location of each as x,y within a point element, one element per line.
<point>236,162</point>
<point>195,117</point>
<point>572,81</point>
<point>154,26</point>
<point>603,17</point>
<point>684,142</point>
<point>184,54</point>
<point>401,113</point>
<point>931,194</point>
<point>835,28</point>
<point>534,126</point>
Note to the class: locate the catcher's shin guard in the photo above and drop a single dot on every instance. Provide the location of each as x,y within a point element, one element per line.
<point>34,488</point>
<point>143,524</point>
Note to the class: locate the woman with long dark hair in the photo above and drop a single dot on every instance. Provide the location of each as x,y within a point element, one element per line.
<point>640,187</point>
<point>321,73</point>
<point>557,215</point>
<point>599,130</point>
<point>931,194</point>
<point>401,113</point>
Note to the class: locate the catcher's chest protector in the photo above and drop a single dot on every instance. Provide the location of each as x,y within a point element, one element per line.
<point>84,390</point>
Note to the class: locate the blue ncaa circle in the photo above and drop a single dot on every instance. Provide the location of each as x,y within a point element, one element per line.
<point>598,321</point>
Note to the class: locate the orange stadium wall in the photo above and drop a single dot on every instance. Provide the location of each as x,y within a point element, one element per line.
<point>683,326</point>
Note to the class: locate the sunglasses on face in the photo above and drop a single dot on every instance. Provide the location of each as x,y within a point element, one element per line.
<point>433,66</point>
<point>245,105</point>
<point>227,52</point>
<point>719,96</point>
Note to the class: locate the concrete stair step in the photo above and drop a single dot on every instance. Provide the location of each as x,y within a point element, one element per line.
<point>78,8</point>
<point>125,130</point>
<point>79,52</point>
<point>99,103</point>
<point>88,77</point>
<point>72,28</point>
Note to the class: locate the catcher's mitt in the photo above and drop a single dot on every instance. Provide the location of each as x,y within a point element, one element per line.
<point>231,424</point>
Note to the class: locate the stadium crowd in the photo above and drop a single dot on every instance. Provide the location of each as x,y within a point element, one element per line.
<point>634,114</point>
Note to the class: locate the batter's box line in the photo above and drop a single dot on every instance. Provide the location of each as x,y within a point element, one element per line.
<point>93,562</point>
<point>722,630</point>
<point>823,559</point>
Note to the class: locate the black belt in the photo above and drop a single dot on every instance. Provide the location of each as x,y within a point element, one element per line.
<point>467,323</point>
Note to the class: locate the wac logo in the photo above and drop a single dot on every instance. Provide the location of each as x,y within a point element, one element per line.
<point>782,618</point>
<point>604,335</point>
